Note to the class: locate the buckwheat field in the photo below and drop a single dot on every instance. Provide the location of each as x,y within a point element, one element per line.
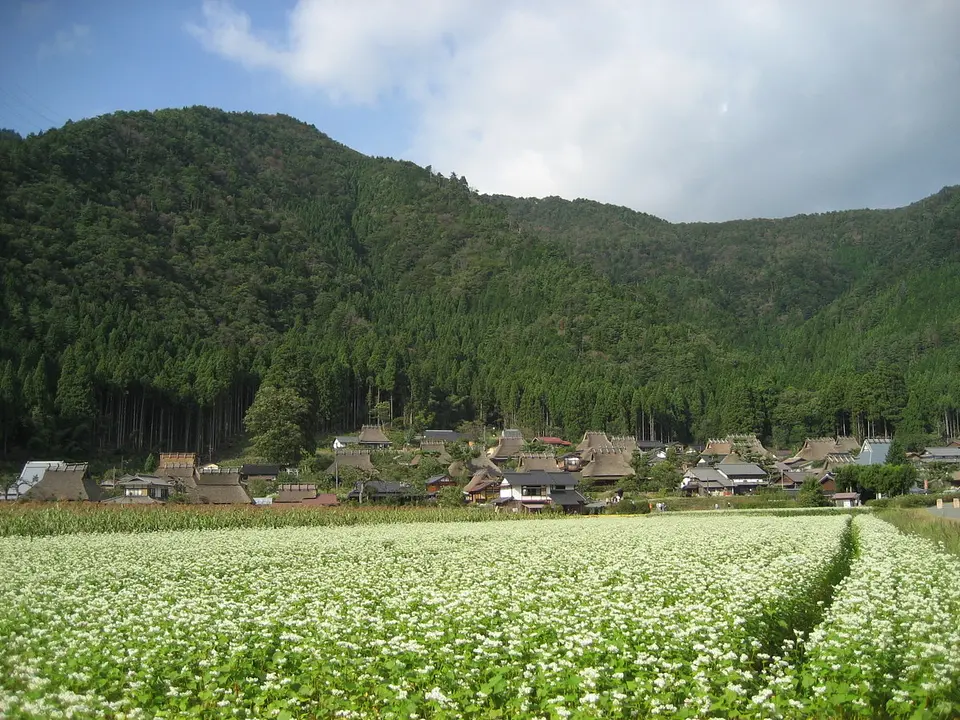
<point>673,616</point>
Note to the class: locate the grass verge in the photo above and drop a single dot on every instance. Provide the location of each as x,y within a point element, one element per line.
<point>925,524</point>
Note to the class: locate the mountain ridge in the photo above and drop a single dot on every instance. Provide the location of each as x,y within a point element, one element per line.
<point>161,266</point>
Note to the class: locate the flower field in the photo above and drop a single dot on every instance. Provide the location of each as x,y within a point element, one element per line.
<point>669,616</point>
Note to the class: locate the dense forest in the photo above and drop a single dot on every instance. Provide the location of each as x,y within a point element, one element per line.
<point>159,269</point>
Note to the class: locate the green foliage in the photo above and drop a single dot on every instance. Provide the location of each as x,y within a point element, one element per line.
<point>664,476</point>
<point>449,497</point>
<point>275,420</point>
<point>811,494</point>
<point>204,254</point>
<point>150,464</point>
<point>896,455</point>
<point>886,479</point>
<point>630,505</point>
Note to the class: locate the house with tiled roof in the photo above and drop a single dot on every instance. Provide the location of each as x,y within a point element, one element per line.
<point>874,451</point>
<point>536,490</point>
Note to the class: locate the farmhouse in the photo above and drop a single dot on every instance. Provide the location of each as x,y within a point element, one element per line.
<point>65,482</point>
<point>257,472</point>
<point>609,465</point>
<point>31,474</point>
<point>303,494</point>
<point>371,436</point>
<point>380,491</point>
<point>359,459</point>
<point>537,461</point>
<point>551,441</point>
<point>874,451</point>
<point>593,440</point>
<point>433,484</point>
<point>705,480</point>
<point>219,487</point>
<point>948,454</point>
<point>149,486</point>
<point>483,486</point>
<point>533,491</point>
<point>509,447</point>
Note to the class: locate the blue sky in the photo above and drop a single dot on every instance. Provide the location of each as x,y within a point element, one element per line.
<point>684,109</point>
<point>63,59</point>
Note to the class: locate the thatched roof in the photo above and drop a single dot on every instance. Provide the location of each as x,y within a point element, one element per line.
<point>537,461</point>
<point>815,450</point>
<point>847,444</point>
<point>731,459</point>
<point>593,440</point>
<point>626,442</point>
<point>351,458</point>
<point>221,487</point>
<point>70,482</point>
<point>608,463</point>
<point>481,480</point>
<point>177,460</point>
<point>507,448</point>
<point>372,435</point>
<point>835,460</point>
<point>718,447</point>
<point>295,492</point>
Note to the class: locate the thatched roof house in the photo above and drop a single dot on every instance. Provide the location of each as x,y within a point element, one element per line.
<point>484,485</point>
<point>625,442</point>
<point>220,487</point>
<point>67,482</point>
<point>608,464</point>
<point>537,461</point>
<point>509,447</point>
<point>351,458</point>
<point>815,450</point>
<point>593,440</point>
<point>372,436</point>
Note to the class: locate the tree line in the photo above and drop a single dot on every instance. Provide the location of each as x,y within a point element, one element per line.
<point>165,271</point>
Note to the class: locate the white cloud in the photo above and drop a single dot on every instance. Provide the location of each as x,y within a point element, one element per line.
<point>677,107</point>
<point>67,42</point>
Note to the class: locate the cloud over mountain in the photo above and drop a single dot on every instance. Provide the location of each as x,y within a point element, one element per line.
<point>683,109</point>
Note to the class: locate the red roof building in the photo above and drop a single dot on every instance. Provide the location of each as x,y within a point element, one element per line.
<point>553,441</point>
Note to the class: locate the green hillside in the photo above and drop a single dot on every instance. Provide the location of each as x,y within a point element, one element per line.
<point>159,267</point>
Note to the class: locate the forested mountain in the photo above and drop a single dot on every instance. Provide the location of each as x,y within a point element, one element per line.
<point>159,267</point>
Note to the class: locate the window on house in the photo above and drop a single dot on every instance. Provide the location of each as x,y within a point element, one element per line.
<point>533,491</point>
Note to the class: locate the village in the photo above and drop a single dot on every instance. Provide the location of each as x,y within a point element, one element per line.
<point>514,475</point>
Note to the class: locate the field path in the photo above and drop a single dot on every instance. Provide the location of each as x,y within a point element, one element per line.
<point>948,512</point>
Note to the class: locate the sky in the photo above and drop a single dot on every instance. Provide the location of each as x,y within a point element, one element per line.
<point>685,109</point>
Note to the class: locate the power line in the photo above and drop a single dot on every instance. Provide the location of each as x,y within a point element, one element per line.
<point>46,108</point>
<point>27,122</point>
<point>26,106</point>
<point>41,105</point>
